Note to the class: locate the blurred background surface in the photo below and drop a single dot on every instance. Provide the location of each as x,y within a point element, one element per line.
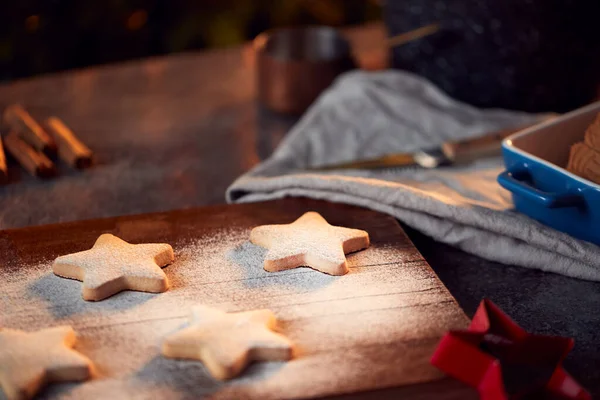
<point>530,55</point>
<point>41,36</point>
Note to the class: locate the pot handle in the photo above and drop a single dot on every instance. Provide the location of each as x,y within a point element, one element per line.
<point>510,181</point>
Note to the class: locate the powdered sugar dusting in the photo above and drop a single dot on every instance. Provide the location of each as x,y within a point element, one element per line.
<point>111,259</point>
<point>309,240</point>
<point>342,325</point>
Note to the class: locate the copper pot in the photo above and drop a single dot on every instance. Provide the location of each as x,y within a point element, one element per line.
<point>294,65</point>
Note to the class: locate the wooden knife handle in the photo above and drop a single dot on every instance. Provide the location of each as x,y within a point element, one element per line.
<point>480,147</point>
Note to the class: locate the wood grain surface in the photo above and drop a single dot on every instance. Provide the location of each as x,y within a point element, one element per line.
<point>373,328</point>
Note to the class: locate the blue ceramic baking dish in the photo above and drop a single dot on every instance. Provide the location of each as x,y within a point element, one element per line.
<point>541,187</point>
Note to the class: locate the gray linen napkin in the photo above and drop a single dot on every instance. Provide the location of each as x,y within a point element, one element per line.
<point>366,115</point>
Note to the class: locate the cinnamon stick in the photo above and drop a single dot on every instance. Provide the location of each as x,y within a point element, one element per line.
<point>3,169</point>
<point>70,148</point>
<point>35,162</point>
<point>21,122</point>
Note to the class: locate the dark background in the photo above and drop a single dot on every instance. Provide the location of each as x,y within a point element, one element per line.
<point>534,55</point>
<point>530,55</point>
<point>41,36</point>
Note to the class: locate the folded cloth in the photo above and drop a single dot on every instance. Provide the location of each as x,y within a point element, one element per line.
<point>366,115</point>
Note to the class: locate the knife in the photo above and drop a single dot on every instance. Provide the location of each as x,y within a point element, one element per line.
<point>452,152</point>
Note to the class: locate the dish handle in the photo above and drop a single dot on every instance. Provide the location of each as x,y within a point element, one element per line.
<point>510,181</point>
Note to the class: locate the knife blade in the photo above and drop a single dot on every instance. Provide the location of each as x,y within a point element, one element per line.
<point>452,152</point>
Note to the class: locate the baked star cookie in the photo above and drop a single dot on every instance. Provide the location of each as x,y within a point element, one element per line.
<point>28,360</point>
<point>114,265</point>
<point>309,241</point>
<point>227,343</point>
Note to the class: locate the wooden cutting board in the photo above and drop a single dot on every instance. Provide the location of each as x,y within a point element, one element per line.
<point>374,328</point>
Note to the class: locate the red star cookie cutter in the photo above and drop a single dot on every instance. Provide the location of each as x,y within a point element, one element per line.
<point>503,361</point>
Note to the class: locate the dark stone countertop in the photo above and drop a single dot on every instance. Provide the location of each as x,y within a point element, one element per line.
<point>174,132</point>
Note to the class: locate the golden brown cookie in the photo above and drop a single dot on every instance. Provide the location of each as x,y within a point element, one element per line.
<point>29,360</point>
<point>227,343</point>
<point>585,162</point>
<point>592,134</point>
<point>309,241</point>
<point>114,265</point>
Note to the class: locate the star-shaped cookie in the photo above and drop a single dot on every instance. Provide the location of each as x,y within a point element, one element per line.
<point>309,241</point>
<point>113,265</point>
<point>28,360</point>
<point>227,343</point>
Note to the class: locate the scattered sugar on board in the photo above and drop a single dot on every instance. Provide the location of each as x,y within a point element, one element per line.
<point>388,296</point>
<point>222,269</point>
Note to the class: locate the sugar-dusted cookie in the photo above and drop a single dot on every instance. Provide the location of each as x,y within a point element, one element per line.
<point>226,343</point>
<point>309,241</point>
<point>113,265</point>
<point>28,360</point>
